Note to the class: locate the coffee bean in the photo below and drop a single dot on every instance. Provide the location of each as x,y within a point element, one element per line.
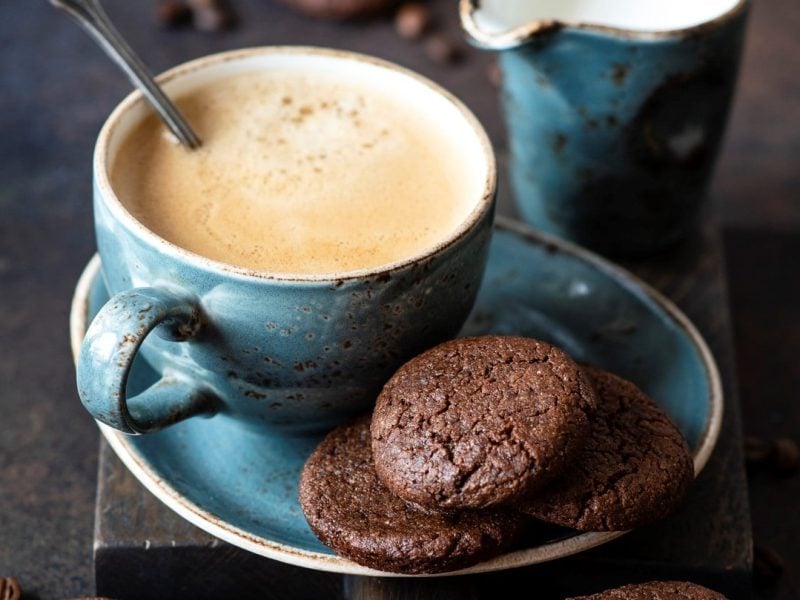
<point>172,13</point>
<point>412,20</point>
<point>784,456</point>
<point>768,565</point>
<point>9,589</point>
<point>442,50</point>
<point>211,15</point>
<point>495,74</point>
<point>756,450</point>
<point>340,10</point>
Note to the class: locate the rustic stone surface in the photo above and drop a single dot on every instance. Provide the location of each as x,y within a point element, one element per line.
<point>58,88</point>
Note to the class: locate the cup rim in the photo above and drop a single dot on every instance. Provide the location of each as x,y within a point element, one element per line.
<point>525,33</point>
<point>110,199</point>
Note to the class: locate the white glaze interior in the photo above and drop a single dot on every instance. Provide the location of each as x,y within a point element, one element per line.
<point>499,16</point>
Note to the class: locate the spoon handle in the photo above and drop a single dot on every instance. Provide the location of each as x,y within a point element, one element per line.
<point>90,15</point>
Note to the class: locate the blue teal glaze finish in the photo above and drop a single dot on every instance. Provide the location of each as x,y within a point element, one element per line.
<point>613,134</point>
<point>281,353</point>
<point>243,486</point>
<point>287,353</point>
<point>113,341</point>
<point>599,316</point>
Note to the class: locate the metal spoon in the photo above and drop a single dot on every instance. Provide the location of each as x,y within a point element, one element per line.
<point>90,15</point>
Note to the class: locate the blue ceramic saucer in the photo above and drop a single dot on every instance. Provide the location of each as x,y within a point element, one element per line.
<point>243,489</point>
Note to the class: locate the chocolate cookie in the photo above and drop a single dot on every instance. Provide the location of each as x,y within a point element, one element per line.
<point>476,422</point>
<point>350,510</point>
<point>657,590</point>
<point>634,469</point>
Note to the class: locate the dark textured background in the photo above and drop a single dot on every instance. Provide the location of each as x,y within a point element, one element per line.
<point>56,89</point>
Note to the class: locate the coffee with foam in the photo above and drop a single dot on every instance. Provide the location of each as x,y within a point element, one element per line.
<point>300,173</point>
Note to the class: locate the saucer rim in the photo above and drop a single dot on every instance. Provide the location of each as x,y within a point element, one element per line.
<point>562,548</point>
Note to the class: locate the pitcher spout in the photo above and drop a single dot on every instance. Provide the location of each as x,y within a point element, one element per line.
<point>506,24</point>
<point>494,26</point>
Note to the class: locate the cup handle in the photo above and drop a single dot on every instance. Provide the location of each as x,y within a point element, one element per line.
<point>107,354</point>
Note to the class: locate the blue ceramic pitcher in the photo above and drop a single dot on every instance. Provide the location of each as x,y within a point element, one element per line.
<point>615,110</point>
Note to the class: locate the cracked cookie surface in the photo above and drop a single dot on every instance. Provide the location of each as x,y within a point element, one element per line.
<point>657,590</point>
<point>350,510</point>
<point>634,469</point>
<point>477,422</point>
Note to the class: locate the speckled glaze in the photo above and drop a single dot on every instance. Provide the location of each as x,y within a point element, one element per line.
<point>614,133</point>
<point>272,352</point>
<point>242,487</point>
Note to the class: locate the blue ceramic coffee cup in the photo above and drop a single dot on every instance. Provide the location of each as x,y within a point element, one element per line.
<point>272,352</point>
<point>614,111</point>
